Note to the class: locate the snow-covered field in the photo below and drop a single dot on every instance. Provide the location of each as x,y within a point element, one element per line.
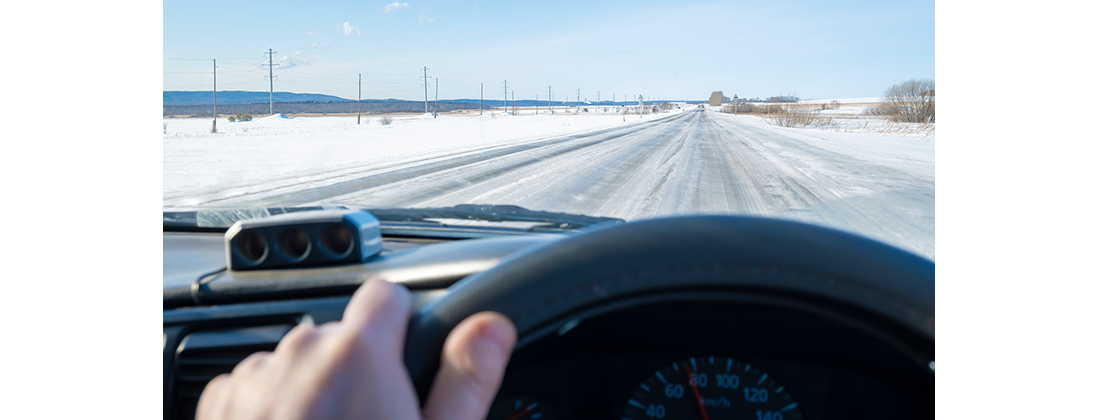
<point>870,99</point>
<point>851,117</point>
<point>278,146</point>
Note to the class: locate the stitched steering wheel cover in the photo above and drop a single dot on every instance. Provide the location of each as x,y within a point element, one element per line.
<point>543,284</point>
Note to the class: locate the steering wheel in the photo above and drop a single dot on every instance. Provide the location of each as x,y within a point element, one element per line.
<point>542,289</point>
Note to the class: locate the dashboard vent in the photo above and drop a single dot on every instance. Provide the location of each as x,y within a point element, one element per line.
<point>302,239</point>
<point>203,355</point>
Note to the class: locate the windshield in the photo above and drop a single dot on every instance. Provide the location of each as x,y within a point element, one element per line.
<point>819,112</point>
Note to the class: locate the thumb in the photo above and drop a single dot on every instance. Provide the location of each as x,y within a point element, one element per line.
<point>472,367</point>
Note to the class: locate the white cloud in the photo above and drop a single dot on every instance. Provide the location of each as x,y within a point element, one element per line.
<point>310,33</point>
<point>426,19</point>
<point>295,59</point>
<point>320,45</point>
<point>348,29</point>
<point>395,6</point>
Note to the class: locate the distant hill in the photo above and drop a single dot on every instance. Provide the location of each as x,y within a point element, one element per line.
<point>239,97</point>
<point>228,97</point>
<point>369,106</point>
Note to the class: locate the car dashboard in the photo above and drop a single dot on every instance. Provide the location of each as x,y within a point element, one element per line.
<point>748,357</point>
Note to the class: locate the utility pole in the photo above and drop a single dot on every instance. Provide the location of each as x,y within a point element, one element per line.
<point>271,78</point>
<point>436,110</point>
<point>358,107</point>
<point>513,102</point>
<point>506,96</point>
<point>425,89</point>
<point>214,129</point>
<point>549,95</point>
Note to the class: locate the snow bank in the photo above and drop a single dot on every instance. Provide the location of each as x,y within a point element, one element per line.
<point>274,117</point>
<point>278,146</point>
<point>870,99</point>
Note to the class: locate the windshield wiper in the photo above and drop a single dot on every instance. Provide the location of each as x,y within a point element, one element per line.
<point>493,213</point>
<point>462,221</point>
<point>220,219</point>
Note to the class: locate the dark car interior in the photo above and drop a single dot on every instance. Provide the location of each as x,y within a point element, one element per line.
<point>770,319</point>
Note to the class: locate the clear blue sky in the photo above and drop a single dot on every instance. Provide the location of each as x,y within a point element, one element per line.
<point>679,50</point>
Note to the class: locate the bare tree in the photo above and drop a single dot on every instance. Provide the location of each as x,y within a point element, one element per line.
<point>911,101</point>
<point>716,98</point>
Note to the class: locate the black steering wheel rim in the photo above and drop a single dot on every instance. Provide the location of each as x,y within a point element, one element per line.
<point>550,283</point>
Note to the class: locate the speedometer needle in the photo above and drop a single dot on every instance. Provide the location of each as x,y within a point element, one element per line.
<point>698,399</point>
<point>521,413</point>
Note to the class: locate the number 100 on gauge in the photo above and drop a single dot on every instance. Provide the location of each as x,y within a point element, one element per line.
<point>711,388</point>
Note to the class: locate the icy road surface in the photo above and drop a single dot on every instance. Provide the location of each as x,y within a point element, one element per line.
<point>697,161</point>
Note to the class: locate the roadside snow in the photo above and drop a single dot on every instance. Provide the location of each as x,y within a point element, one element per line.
<point>275,117</point>
<point>278,146</point>
<point>870,99</point>
<point>852,118</point>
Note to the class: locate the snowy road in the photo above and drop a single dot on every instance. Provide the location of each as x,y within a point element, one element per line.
<point>691,162</point>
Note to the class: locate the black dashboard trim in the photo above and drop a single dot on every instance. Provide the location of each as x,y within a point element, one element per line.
<point>420,268</point>
<point>908,344</point>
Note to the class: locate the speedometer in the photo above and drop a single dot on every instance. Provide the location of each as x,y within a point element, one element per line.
<point>711,388</point>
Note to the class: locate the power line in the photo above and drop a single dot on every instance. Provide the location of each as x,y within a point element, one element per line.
<point>204,59</point>
<point>316,76</point>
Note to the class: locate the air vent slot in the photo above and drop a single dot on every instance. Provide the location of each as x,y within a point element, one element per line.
<point>203,355</point>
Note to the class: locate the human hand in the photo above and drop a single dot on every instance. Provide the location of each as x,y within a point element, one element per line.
<point>354,369</point>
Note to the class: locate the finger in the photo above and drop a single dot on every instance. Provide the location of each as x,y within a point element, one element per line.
<point>251,363</point>
<point>472,366</point>
<point>300,336</point>
<point>212,402</point>
<point>364,354</point>
<point>380,308</point>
